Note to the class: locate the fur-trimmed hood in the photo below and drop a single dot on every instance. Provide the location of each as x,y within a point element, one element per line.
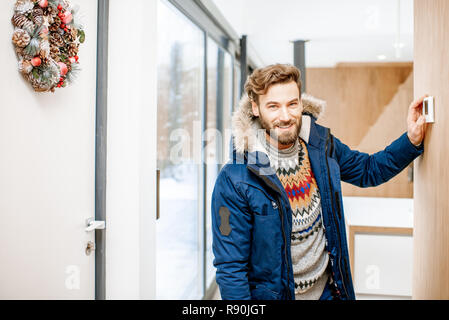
<point>245,125</point>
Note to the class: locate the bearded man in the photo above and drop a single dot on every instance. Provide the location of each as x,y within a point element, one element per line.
<point>277,216</point>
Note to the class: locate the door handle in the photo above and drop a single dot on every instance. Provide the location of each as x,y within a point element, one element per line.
<point>92,224</point>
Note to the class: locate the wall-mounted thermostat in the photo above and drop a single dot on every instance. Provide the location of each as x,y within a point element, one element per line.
<point>428,109</point>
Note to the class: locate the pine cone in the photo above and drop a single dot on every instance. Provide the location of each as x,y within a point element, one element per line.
<point>28,25</point>
<point>24,6</point>
<point>38,86</point>
<point>54,53</point>
<point>34,82</point>
<point>72,50</point>
<point>21,38</point>
<point>38,16</point>
<point>19,51</point>
<point>74,32</point>
<point>48,11</point>
<point>21,2</point>
<point>69,65</point>
<point>18,20</point>
<point>44,56</point>
<point>53,28</point>
<point>25,66</point>
<point>57,21</point>
<point>22,54</point>
<point>68,37</point>
<point>56,39</point>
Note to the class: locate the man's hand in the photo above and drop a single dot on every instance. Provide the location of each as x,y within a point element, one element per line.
<point>416,122</point>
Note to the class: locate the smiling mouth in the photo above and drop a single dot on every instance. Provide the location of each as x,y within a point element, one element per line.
<point>285,127</point>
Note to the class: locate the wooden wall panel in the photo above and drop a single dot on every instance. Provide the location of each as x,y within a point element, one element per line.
<point>366,109</point>
<point>431,194</point>
<point>389,126</point>
<point>356,95</point>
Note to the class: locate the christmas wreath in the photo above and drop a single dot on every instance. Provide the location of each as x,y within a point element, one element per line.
<point>47,35</point>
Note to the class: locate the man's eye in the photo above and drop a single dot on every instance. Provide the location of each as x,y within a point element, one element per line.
<point>293,104</point>
<point>272,106</point>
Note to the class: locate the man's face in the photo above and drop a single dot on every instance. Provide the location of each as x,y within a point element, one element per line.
<point>280,111</point>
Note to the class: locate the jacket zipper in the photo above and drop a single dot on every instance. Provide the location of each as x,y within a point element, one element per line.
<point>337,200</point>
<point>285,249</point>
<point>333,212</point>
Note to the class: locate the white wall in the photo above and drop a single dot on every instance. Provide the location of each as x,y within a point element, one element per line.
<point>47,165</point>
<point>131,159</point>
<point>47,173</point>
<point>338,31</point>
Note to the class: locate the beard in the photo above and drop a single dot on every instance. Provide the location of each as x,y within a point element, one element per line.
<point>284,138</point>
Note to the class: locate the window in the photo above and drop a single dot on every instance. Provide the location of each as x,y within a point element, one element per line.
<point>180,103</point>
<point>219,108</point>
<point>237,93</point>
<point>189,159</point>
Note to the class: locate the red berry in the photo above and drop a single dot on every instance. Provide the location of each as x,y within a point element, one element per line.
<point>59,7</point>
<point>66,30</point>
<point>36,62</point>
<point>76,58</point>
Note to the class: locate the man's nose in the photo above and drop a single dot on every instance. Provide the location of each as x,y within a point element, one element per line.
<point>284,116</point>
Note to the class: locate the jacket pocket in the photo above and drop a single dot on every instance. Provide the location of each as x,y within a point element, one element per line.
<point>260,202</point>
<point>260,292</point>
<point>266,252</point>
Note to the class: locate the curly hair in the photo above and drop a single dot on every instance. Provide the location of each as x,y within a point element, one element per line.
<point>261,79</point>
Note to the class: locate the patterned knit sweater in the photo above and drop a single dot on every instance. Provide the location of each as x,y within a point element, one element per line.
<point>308,240</point>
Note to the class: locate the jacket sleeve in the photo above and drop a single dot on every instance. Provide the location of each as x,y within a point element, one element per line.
<point>364,170</point>
<point>231,238</point>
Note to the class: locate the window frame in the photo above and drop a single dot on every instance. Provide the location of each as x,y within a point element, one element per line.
<point>197,13</point>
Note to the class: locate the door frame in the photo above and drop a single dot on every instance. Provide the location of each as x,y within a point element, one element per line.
<point>101,146</point>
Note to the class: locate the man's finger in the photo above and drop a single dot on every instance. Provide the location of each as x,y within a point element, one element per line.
<point>421,121</point>
<point>417,103</point>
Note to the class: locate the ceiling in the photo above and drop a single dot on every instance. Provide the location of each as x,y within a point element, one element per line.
<point>337,31</point>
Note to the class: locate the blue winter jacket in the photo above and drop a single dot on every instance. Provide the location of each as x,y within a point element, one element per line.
<point>252,216</point>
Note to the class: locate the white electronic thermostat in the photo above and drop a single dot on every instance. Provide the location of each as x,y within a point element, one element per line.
<point>428,109</point>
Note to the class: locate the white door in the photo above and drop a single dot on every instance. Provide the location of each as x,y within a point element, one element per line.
<point>47,176</point>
